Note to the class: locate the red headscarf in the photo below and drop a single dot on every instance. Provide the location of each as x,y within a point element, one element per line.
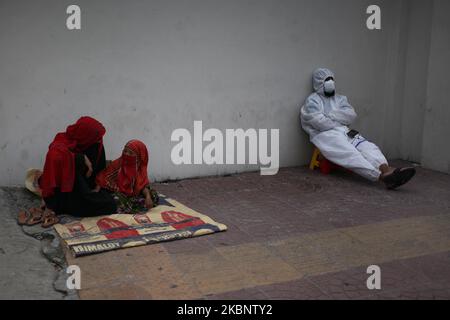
<point>59,168</point>
<point>128,174</point>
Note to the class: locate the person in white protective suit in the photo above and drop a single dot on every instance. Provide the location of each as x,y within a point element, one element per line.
<point>326,117</point>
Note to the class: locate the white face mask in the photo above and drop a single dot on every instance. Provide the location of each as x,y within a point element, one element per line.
<point>328,86</point>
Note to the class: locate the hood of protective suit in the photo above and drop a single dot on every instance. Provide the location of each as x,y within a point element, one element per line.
<point>319,76</point>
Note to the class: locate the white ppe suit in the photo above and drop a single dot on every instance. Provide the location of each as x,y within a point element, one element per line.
<point>326,120</point>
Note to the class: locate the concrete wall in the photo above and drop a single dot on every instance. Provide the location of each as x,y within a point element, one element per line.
<point>414,92</point>
<point>145,68</point>
<point>435,145</point>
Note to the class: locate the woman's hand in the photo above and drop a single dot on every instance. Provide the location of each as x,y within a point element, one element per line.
<point>97,188</point>
<point>88,164</point>
<point>148,202</point>
<point>148,198</point>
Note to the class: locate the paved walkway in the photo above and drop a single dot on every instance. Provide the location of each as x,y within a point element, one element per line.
<point>24,272</point>
<point>296,235</point>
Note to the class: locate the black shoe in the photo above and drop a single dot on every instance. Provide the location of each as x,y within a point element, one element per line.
<point>399,177</point>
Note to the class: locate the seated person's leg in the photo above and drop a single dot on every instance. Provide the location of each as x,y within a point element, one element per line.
<point>392,177</point>
<point>59,202</point>
<point>91,203</point>
<point>98,203</point>
<point>82,201</point>
<point>336,147</point>
<point>372,154</point>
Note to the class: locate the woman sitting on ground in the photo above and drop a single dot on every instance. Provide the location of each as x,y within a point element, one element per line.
<point>127,177</point>
<point>73,160</point>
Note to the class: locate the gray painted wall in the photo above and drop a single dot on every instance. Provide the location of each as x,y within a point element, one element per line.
<point>436,146</point>
<point>415,78</point>
<point>145,68</point>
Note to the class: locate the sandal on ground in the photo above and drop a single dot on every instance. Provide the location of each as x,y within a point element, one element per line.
<point>49,219</point>
<point>399,177</point>
<point>30,217</point>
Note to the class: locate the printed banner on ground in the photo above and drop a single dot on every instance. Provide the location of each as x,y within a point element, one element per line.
<point>170,220</point>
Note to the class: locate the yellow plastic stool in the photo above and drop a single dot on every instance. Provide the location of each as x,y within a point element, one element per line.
<point>315,159</point>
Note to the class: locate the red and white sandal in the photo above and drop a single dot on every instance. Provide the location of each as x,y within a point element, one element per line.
<point>30,217</point>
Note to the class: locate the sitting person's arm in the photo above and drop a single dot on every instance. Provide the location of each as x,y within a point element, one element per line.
<point>312,114</point>
<point>344,114</point>
<point>148,197</point>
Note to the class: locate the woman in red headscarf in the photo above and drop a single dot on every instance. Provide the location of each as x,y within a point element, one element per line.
<point>73,160</point>
<point>127,177</point>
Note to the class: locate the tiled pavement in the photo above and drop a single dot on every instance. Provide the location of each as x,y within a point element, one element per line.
<point>296,235</point>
